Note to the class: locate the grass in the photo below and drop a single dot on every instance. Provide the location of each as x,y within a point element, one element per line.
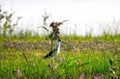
<point>27,36</point>
<point>64,66</point>
<point>71,63</point>
<point>104,37</point>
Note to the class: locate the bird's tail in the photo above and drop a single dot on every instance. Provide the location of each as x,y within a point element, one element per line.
<point>45,57</point>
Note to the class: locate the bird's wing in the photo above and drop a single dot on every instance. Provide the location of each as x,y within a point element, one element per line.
<point>50,54</point>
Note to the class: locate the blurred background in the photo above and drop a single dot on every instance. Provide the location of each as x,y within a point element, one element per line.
<point>85,16</point>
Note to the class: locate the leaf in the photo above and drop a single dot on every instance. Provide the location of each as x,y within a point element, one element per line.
<point>44,28</point>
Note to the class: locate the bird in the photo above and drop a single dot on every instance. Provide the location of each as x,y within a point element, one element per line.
<point>54,51</point>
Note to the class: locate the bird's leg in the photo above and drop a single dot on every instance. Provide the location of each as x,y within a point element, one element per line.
<point>52,67</point>
<point>52,62</point>
<point>51,44</point>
